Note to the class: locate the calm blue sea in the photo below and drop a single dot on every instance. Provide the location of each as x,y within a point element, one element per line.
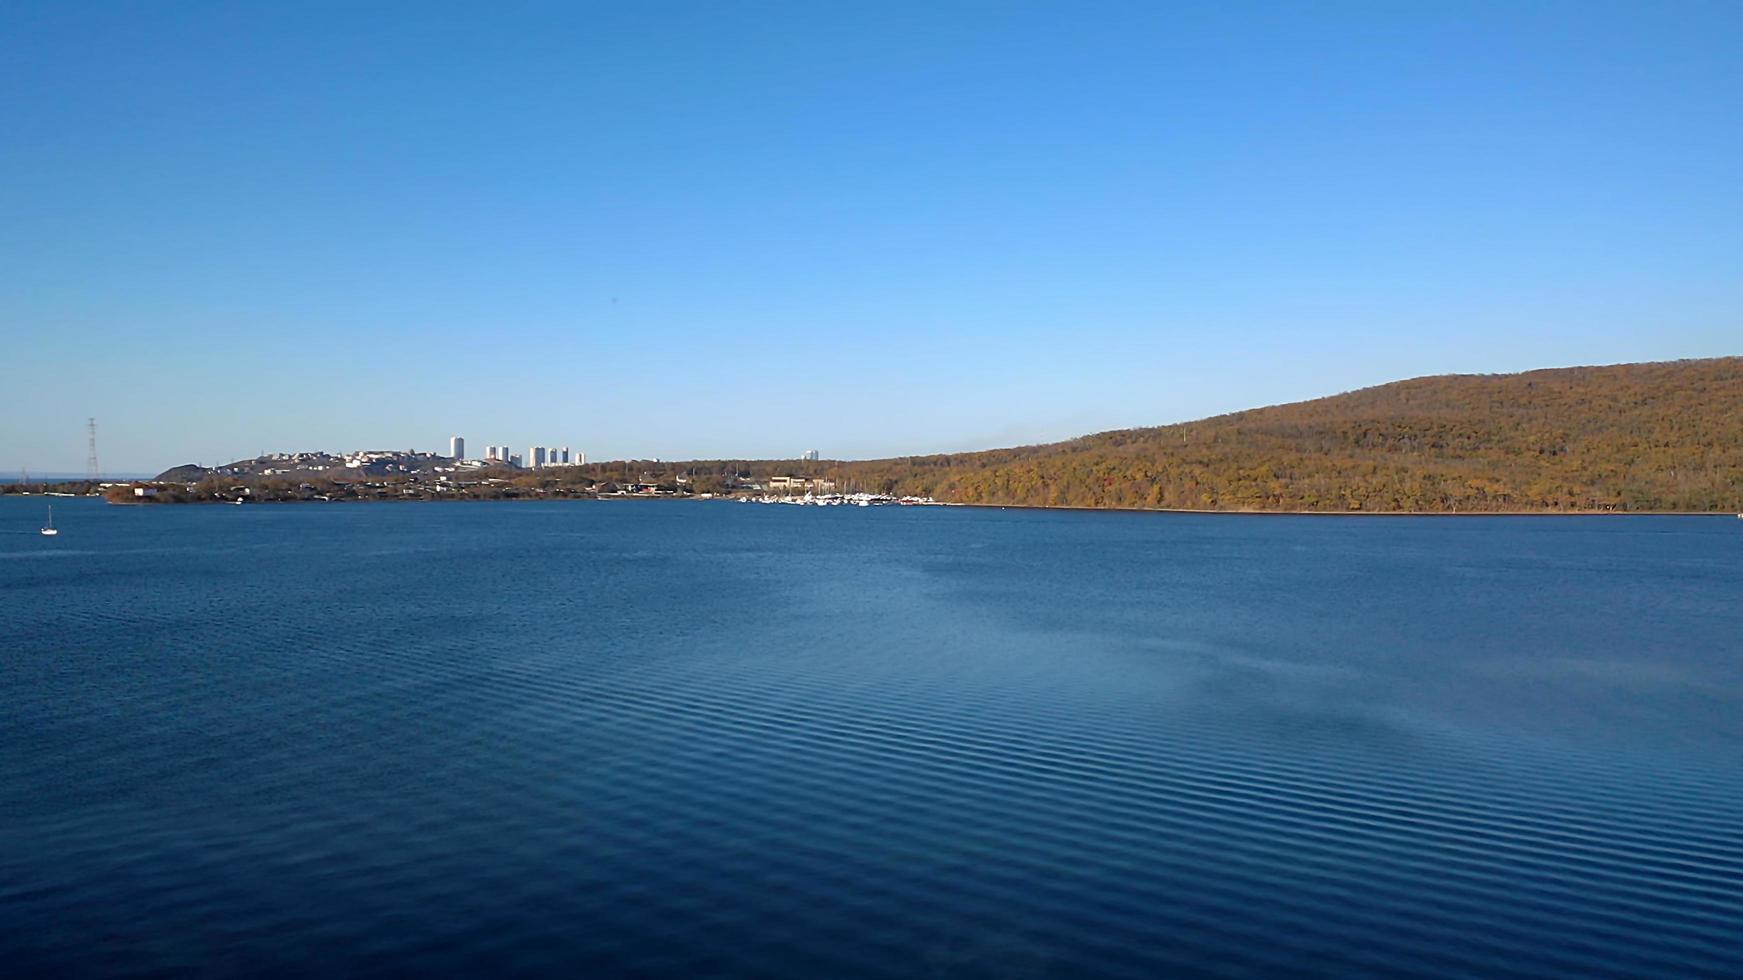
<point>718,740</point>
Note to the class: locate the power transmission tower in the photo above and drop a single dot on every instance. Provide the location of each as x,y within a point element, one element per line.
<point>91,470</point>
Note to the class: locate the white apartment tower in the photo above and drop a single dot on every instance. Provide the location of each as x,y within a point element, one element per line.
<point>457,448</point>
<point>536,457</point>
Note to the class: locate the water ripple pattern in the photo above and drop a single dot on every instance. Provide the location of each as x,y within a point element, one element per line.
<point>708,740</point>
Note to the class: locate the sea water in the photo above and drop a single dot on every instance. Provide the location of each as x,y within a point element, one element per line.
<point>712,739</point>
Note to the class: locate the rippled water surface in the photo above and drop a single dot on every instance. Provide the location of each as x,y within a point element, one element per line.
<point>708,739</point>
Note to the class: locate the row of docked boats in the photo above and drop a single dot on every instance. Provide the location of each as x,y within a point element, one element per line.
<point>838,500</point>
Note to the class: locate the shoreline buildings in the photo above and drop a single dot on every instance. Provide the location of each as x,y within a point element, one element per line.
<point>537,457</point>
<point>541,457</point>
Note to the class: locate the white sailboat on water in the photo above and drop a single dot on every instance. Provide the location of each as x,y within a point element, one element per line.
<point>50,529</point>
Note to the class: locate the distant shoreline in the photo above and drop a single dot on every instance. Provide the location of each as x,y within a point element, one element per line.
<point>976,506</point>
<point>585,495</point>
<point>1356,513</point>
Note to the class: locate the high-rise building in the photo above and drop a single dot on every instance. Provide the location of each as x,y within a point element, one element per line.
<point>514,461</point>
<point>457,448</point>
<point>810,455</point>
<point>563,455</point>
<point>536,457</point>
<point>493,454</point>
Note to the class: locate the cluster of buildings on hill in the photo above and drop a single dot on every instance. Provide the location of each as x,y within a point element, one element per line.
<point>537,457</point>
<point>378,461</point>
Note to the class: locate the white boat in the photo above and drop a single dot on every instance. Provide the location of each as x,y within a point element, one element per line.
<point>50,529</point>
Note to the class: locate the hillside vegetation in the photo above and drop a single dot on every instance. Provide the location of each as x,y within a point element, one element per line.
<point>1664,436</point>
<point>1627,437</point>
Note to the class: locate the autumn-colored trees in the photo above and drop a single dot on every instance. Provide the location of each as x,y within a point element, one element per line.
<point>1665,436</point>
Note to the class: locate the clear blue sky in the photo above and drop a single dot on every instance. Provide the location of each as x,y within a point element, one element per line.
<point>751,229</point>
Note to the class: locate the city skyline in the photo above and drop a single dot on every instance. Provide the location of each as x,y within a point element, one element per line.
<point>556,455</point>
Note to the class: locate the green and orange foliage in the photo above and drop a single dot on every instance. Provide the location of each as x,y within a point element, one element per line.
<point>1632,437</point>
<point>1666,436</point>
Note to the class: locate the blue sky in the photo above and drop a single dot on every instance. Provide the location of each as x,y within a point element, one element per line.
<point>750,229</point>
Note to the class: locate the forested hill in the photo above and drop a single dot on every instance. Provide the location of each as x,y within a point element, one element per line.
<point>1664,436</point>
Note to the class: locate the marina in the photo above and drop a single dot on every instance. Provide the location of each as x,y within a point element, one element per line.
<point>839,500</point>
